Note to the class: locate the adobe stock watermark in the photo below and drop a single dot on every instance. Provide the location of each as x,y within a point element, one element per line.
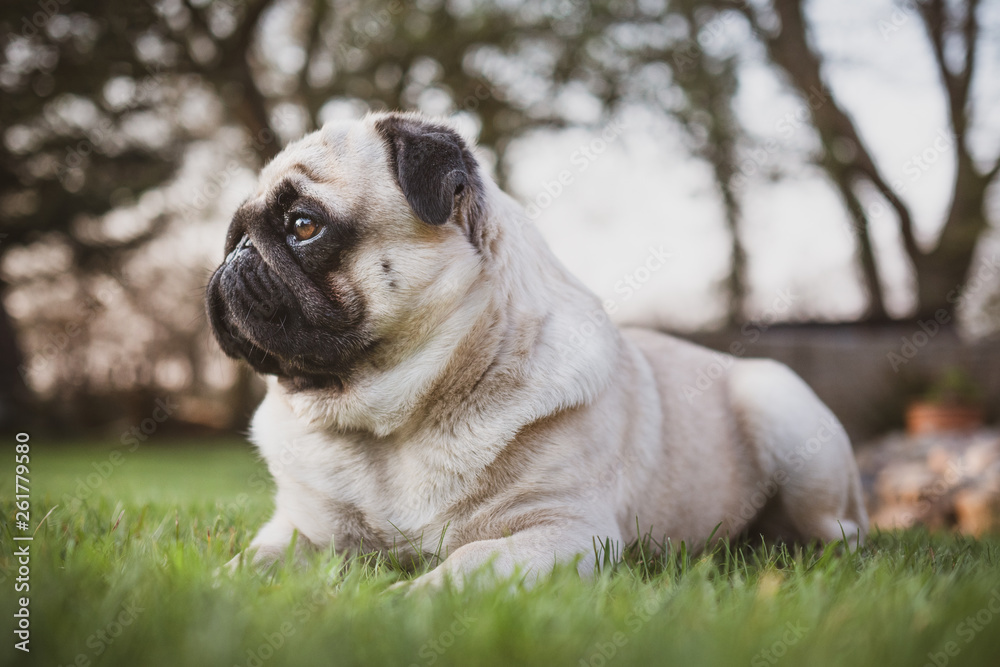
<point>369,27</point>
<point>163,409</point>
<point>920,163</point>
<point>627,286</point>
<point>432,650</point>
<point>770,655</point>
<point>105,131</point>
<point>688,52</point>
<point>768,488</point>
<point>951,478</point>
<point>580,159</point>
<point>273,641</point>
<point>101,640</point>
<point>752,331</point>
<point>39,20</point>
<point>914,168</point>
<point>758,158</point>
<point>910,346</point>
<point>481,92</point>
<point>258,482</point>
<point>605,650</point>
<point>200,199</point>
<point>900,16</point>
<point>967,630</point>
<point>56,343</point>
<point>609,477</point>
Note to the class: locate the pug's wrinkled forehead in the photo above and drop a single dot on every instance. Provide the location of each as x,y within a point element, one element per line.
<point>359,169</point>
<point>335,165</point>
<point>329,155</point>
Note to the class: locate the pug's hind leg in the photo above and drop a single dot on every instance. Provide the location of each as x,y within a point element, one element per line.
<point>804,454</point>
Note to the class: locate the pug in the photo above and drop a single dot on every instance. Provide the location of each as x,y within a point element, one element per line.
<point>439,385</point>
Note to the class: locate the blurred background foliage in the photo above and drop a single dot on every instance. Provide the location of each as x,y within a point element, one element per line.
<point>126,125</point>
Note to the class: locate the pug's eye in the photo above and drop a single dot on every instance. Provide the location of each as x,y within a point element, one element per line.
<point>305,228</point>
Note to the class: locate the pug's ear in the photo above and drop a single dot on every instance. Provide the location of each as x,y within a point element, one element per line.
<point>431,164</point>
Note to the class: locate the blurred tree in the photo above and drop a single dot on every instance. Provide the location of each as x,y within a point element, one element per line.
<point>94,94</point>
<point>104,100</point>
<point>709,81</point>
<point>66,150</point>
<point>952,28</point>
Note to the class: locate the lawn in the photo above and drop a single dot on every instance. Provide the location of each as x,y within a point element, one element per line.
<point>125,572</point>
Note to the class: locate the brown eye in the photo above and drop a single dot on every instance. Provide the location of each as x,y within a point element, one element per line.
<point>305,228</point>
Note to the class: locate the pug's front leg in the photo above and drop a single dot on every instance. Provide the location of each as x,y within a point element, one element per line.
<point>271,545</point>
<point>532,552</point>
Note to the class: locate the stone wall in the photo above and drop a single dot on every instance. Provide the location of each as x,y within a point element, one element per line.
<point>866,372</point>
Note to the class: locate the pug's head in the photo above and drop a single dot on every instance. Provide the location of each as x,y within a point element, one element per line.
<point>356,238</point>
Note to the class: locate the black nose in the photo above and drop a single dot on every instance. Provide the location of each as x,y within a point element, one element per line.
<point>244,243</point>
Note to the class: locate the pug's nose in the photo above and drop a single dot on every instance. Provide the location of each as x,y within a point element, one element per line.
<point>244,244</point>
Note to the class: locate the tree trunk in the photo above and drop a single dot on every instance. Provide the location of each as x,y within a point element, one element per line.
<point>941,273</point>
<point>15,398</point>
<point>944,270</point>
<point>736,281</point>
<point>789,49</point>
<point>871,277</point>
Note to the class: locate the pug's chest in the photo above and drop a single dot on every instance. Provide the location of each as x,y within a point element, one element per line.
<point>359,500</point>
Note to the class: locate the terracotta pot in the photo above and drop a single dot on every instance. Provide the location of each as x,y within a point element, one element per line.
<point>923,418</point>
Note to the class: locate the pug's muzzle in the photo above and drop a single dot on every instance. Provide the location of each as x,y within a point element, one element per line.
<point>268,303</point>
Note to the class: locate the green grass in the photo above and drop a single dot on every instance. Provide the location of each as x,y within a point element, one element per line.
<point>127,576</point>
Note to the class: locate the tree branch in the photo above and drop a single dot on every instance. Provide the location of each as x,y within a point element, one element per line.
<point>910,245</point>
<point>252,111</point>
<point>871,276</point>
<point>970,32</point>
<point>956,84</point>
<point>320,8</point>
<point>790,50</point>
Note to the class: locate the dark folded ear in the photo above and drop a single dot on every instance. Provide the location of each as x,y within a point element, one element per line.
<point>431,163</point>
